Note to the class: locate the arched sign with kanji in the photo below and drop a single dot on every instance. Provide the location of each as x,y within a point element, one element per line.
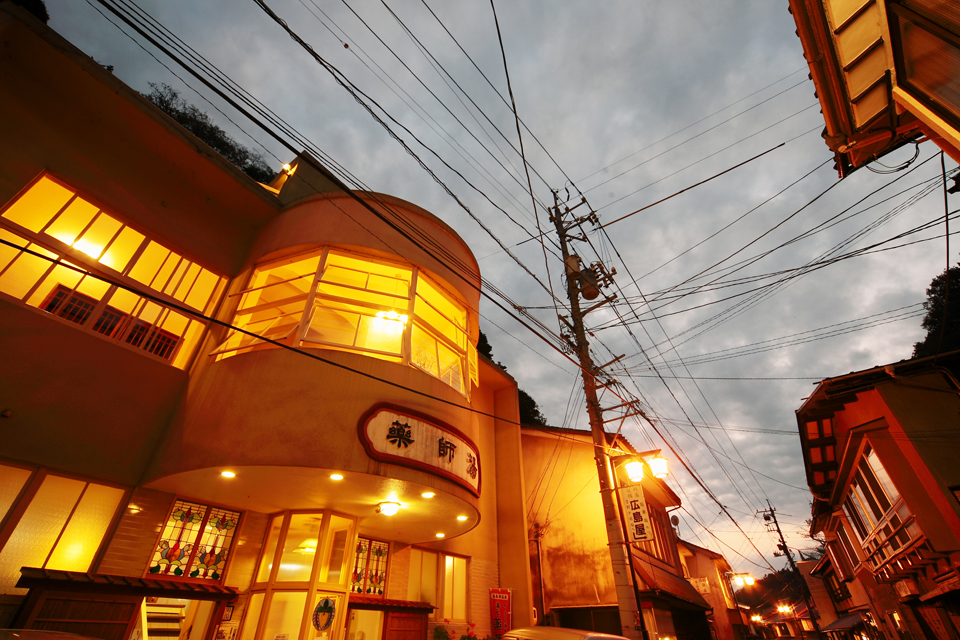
<point>407,438</point>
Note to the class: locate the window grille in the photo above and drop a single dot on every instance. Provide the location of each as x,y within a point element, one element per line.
<point>53,220</point>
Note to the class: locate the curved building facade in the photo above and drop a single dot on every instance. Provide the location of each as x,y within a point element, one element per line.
<point>238,411</point>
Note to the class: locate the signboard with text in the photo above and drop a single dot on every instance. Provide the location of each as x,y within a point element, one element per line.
<point>501,615</point>
<point>702,585</point>
<point>635,515</point>
<point>399,436</point>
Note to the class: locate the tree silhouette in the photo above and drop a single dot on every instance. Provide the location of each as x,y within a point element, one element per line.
<point>199,124</point>
<point>36,7</point>
<point>529,409</point>
<point>938,298</point>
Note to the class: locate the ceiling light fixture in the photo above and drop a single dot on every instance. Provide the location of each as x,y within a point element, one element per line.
<point>428,494</point>
<point>228,474</point>
<point>336,476</point>
<point>441,535</point>
<point>461,518</point>
<point>388,508</point>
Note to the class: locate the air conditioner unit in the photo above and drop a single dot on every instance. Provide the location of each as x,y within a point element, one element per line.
<point>906,588</point>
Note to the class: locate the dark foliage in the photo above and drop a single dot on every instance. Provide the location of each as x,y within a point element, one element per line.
<point>529,409</point>
<point>483,346</point>
<point>36,7</point>
<point>199,124</point>
<point>933,321</point>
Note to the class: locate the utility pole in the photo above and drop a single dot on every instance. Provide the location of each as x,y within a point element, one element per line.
<point>770,514</point>
<point>587,281</point>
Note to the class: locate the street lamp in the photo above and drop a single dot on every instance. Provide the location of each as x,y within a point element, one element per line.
<point>633,464</point>
<point>631,501</point>
<point>741,579</point>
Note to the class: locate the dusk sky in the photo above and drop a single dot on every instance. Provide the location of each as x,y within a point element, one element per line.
<point>724,325</point>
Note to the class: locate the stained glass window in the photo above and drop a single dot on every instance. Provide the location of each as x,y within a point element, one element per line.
<point>369,575</point>
<point>195,542</point>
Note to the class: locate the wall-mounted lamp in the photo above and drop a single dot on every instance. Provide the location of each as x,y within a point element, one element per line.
<point>388,508</point>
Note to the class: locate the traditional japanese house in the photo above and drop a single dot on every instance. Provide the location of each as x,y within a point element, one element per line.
<point>879,447</point>
<point>573,578</point>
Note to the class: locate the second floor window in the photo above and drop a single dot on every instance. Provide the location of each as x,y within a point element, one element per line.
<point>334,299</point>
<point>54,220</point>
<point>882,521</point>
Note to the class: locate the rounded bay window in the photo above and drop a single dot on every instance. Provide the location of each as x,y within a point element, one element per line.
<point>333,298</point>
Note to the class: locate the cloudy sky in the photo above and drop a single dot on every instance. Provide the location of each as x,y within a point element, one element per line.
<point>626,102</point>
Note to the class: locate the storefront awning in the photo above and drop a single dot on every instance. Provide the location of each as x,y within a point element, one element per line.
<point>846,622</point>
<point>666,583</point>
<point>99,583</point>
<point>375,602</point>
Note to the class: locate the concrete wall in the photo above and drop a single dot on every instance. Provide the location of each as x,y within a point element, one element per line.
<point>79,402</point>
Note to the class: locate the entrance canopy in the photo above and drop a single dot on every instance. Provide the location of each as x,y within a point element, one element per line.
<point>98,583</point>
<point>846,622</point>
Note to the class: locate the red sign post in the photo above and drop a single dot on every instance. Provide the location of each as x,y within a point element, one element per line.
<point>501,611</point>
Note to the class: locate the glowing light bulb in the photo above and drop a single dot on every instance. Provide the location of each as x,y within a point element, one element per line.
<point>634,470</point>
<point>388,508</point>
<point>228,474</point>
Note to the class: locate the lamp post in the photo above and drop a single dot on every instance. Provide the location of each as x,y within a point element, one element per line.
<point>633,465</point>
<point>786,608</point>
<point>740,579</point>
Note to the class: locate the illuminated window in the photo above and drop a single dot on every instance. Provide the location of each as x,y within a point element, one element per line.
<point>369,575</point>
<point>441,580</point>
<point>195,542</point>
<point>333,299</point>
<point>61,528</point>
<point>54,221</point>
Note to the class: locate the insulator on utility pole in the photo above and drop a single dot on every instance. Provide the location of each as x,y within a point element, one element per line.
<point>587,282</point>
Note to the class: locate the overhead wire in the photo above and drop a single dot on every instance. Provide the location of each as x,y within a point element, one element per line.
<point>707,117</point>
<point>385,220</point>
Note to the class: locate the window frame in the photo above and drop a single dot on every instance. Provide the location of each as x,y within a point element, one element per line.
<point>312,588</point>
<point>441,585</point>
<point>114,280</point>
<point>297,336</point>
<point>898,13</point>
<point>884,537</point>
<point>209,506</point>
<point>10,520</point>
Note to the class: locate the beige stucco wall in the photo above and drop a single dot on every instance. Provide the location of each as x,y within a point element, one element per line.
<point>560,475</point>
<point>61,112</point>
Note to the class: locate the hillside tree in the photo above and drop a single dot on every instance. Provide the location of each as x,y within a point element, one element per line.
<point>201,125</point>
<point>940,297</point>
